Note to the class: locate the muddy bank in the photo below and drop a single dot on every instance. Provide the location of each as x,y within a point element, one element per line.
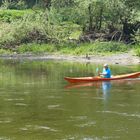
<point>121,59</point>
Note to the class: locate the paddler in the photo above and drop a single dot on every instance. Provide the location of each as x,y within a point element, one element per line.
<point>106,73</point>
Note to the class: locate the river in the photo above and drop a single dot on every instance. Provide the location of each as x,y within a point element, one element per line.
<point>36,103</point>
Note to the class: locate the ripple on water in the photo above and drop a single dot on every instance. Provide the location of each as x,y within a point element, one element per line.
<point>54,97</point>
<point>78,117</point>
<point>10,99</point>
<point>46,128</point>
<point>125,130</point>
<point>4,138</point>
<point>20,104</point>
<point>37,127</point>
<point>123,105</point>
<point>5,121</point>
<point>91,138</point>
<point>121,114</point>
<point>87,124</point>
<point>53,106</point>
<point>98,98</point>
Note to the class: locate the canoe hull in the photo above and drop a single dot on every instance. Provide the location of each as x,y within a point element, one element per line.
<point>97,78</point>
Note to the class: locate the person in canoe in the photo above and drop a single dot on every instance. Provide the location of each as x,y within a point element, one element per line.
<point>106,73</point>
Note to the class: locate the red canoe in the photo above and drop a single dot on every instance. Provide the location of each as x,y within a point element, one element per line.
<point>98,78</point>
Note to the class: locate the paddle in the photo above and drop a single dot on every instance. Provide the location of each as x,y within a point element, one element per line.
<point>97,71</point>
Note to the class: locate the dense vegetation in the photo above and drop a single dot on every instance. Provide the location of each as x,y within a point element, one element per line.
<point>80,26</point>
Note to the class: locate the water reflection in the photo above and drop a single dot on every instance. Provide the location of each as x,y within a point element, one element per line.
<point>106,86</point>
<point>103,87</point>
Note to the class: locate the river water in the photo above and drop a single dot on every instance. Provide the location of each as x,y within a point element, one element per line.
<point>36,103</point>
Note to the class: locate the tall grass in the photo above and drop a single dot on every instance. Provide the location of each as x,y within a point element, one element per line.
<point>137,50</point>
<point>3,51</point>
<point>36,48</point>
<point>96,48</point>
<point>76,49</point>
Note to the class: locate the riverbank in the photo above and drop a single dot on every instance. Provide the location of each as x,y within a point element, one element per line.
<point>119,58</point>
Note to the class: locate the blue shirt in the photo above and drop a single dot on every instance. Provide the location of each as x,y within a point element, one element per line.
<point>107,73</point>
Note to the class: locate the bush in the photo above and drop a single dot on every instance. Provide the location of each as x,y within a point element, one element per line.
<point>137,50</point>
<point>26,30</point>
<point>95,48</point>
<point>102,47</point>
<point>36,27</point>
<point>36,48</point>
<point>12,15</point>
<point>110,47</point>
<point>137,37</point>
<point>3,51</point>
<point>19,5</point>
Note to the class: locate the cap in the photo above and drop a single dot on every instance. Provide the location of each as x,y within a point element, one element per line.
<point>105,65</point>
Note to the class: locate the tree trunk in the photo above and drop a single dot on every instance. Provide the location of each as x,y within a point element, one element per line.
<point>90,17</point>
<point>100,18</point>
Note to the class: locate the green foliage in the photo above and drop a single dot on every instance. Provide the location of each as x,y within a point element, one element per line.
<point>3,51</point>
<point>39,27</point>
<point>95,48</point>
<point>137,51</point>
<point>110,47</point>
<point>81,49</point>
<point>12,15</point>
<point>62,3</point>
<point>12,4</point>
<point>25,30</point>
<point>65,20</point>
<point>137,37</point>
<point>36,48</point>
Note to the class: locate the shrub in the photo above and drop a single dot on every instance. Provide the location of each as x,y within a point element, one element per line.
<point>36,48</point>
<point>110,47</point>
<point>137,50</point>
<point>20,4</point>
<point>3,51</point>
<point>12,15</point>
<point>26,30</point>
<point>95,48</point>
<point>36,27</point>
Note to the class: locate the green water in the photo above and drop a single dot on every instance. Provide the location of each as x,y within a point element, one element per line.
<point>37,104</point>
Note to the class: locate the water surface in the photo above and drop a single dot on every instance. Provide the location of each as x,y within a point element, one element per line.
<point>37,104</point>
